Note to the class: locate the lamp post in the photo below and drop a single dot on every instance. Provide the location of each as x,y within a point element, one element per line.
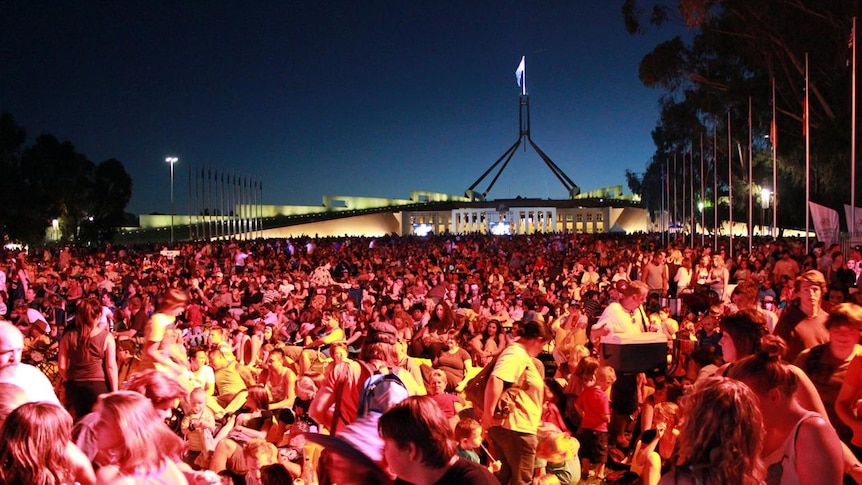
<point>172,161</point>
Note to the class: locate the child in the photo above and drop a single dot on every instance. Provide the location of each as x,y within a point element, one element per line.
<point>468,435</point>
<point>557,455</point>
<point>198,427</point>
<point>594,407</point>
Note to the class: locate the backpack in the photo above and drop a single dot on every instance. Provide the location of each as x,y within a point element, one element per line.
<point>474,390</point>
<point>378,393</point>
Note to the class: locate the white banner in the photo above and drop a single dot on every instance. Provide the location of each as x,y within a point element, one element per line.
<point>825,223</point>
<point>848,214</point>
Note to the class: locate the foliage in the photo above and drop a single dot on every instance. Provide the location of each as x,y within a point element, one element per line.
<point>727,61</point>
<point>50,180</point>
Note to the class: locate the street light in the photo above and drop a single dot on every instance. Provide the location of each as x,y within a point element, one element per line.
<point>172,161</point>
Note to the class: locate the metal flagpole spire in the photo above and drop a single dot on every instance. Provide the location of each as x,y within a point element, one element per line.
<point>853,137</point>
<point>730,185</point>
<point>700,204</point>
<point>807,161</point>
<point>774,140</point>
<point>750,182</point>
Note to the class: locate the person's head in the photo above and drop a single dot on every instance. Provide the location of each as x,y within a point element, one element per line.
<point>437,382</point>
<point>633,294</point>
<point>158,387</point>
<point>741,334</point>
<point>586,369</point>
<point>765,373</point>
<point>379,344</point>
<point>533,334</point>
<point>128,425</point>
<point>275,474</point>
<point>276,360</point>
<point>605,377</point>
<point>416,431</point>
<point>468,434</point>
<point>197,400</point>
<point>88,313</point>
<point>11,396</point>
<point>845,325</point>
<point>33,443</point>
<point>173,302</point>
<point>667,413</point>
<point>258,398</point>
<point>11,347</point>
<point>258,453</point>
<point>809,288</point>
<point>722,434</point>
<point>338,351</point>
<point>217,359</point>
<point>745,295</point>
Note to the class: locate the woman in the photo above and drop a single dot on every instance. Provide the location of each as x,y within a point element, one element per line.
<point>453,360</point>
<point>719,276</point>
<point>430,339</point>
<point>153,354</point>
<point>36,448</point>
<point>658,444</point>
<point>450,404</point>
<point>721,439</point>
<point>701,274</point>
<point>87,359</point>
<point>800,446</point>
<point>683,276</point>
<point>512,429</point>
<point>127,429</point>
<point>488,343</point>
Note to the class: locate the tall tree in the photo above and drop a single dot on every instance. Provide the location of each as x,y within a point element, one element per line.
<point>733,50</point>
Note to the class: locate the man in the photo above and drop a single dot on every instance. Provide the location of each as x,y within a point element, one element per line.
<point>258,454</point>
<point>229,383</point>
<point>803,323</point>
<point>744,297</point>
<point>625,317</point>
<point>655,274</point>
<point>280,380</point>
<point>27,318</point>
<point>419,449</point>
<point>12,371</point>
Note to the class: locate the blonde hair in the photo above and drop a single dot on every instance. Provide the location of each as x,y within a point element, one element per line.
<point>132,416</point>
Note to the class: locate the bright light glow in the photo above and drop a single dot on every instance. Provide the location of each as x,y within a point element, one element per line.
<point>172,160</point>
<point>501,228</point>
<point>764,197</point>
<point>422,230</point>
<point>55,223</point>
<point>700,206</point>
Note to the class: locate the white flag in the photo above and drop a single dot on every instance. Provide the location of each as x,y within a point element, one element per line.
<point>848,213</point>
<point>825,222</point>
<point>519,73</point>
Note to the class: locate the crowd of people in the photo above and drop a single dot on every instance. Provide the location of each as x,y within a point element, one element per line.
<point>349,360</point>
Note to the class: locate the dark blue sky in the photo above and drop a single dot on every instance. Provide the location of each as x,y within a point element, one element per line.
<point>362,97</point>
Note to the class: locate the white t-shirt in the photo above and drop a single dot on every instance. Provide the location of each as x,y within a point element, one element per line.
<point>34,383</point>
<point>621,321</point>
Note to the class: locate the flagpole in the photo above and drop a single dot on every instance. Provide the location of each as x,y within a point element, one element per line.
<point>730,184</point>
<point>750,183</point>
<point>715,185</point>
<point>853,137</point>
<point>807,161</point>
<point>691,191</point>
<point>675,201</point>
<point>701,205</point>
<point>774,231</point>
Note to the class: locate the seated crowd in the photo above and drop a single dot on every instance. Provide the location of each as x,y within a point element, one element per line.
<point>355,360</point>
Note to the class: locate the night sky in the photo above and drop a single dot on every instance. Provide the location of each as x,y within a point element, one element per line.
<point>363,97</point>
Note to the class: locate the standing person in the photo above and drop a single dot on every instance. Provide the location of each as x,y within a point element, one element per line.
<point>36,448</point>
<point>683,276</point>
<point>721,441</point>
<point>418,446</point>
<point>655,274</point>
<point>87,359</point>
<point>153,356</point>
<point>827,364</point>
<point>625,317</point>
<point>513,433</point>
<point>803,323</point>
<point>594,407</point>
<point>800,446</point>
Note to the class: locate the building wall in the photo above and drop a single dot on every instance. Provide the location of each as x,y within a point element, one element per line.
<point>366,225</point>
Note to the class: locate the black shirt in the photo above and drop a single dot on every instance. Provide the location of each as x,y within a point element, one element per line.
<point>462,472</point>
